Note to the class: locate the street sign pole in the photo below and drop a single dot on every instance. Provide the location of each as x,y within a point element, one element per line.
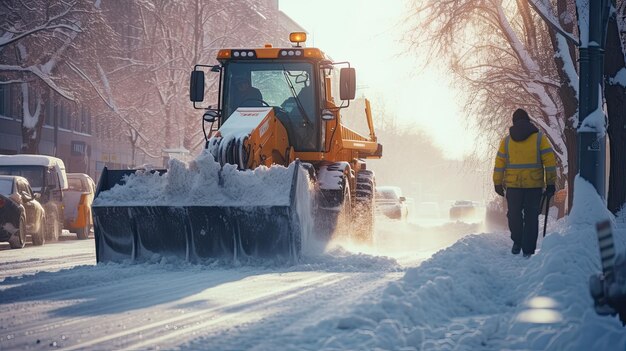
<point>592,142</point>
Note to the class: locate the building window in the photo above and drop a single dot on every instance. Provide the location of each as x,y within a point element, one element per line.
<point>88,120</point>
<point>49,117</point>
<point>63,118</point>
<point>79,148</point>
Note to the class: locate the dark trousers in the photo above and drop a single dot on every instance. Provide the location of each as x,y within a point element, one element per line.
<point>523,215</point>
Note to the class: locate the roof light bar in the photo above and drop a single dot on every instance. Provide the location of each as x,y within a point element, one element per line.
<point>291,53</point>
<point>243,53</point>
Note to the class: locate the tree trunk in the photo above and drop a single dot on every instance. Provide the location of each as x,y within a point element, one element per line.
<point>569,101</point>
<point>31,131</point>
<point>616,108</point>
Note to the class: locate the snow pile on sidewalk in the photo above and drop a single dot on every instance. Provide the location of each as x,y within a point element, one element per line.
<point>476,295</point>
<point>205,182</point>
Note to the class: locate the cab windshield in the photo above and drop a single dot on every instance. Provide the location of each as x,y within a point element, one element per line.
<point>34,174</point>
<point>286,86</point>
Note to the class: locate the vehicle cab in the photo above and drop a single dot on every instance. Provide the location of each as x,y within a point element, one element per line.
<point>303,86</point>
<point>47,177</point>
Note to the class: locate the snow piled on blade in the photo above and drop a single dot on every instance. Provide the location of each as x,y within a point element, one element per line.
<point>203,182</point>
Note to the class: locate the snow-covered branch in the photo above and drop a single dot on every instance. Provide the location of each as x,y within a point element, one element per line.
<point>543,9</point>
<point>36,70</point>
<point>13,39</point>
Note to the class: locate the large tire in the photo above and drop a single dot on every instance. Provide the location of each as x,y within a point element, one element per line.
<point>333,212</point>
<point>18,239</point>
<point>39,238</point>
<point>83,233</point>
<point>364,206</point>
<point>53,226</point>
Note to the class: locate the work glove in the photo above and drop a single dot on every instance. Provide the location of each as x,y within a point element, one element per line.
<point>499,189</point>
<point>550,189</point>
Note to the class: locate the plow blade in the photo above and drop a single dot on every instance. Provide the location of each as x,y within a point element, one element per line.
<point>196,233</point>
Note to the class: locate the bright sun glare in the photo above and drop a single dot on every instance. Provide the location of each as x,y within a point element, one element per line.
<point>369,37</point>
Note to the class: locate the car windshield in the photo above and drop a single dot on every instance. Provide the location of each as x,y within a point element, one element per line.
<point>34,174</point>
<point>386,194</point>
<point>287,86</point>
<point>6,186</point>
<point>76,184</point>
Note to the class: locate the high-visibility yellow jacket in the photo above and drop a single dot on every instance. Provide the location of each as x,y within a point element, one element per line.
<point>521,164</point>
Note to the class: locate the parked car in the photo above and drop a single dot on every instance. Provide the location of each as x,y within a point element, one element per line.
<point>20,213</point>
<point>463,209</point>
<point>46,175</point>
<point>77,204</point>
<point>391,203</point>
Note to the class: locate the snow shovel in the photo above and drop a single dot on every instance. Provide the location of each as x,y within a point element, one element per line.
<point>545,198</point>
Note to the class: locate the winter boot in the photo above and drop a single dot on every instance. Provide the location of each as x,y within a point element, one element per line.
<point>516,249</point>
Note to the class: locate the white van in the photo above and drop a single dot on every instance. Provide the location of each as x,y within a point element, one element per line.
<point>46,175</point>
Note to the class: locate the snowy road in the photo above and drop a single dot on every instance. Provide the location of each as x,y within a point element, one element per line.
<point>55,295</point>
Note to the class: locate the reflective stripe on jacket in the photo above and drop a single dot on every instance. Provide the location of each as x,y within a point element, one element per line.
<point>521,164</point>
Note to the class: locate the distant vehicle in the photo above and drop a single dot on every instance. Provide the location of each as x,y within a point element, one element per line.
<point>428,210</point>
<point>495,214</point>
<point>77,204</point>
<point>391,203</point>
<point>46,175</point>
<point>20,212</point>
<point>463,209</point>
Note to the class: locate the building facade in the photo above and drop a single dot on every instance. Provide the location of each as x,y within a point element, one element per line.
<point>87,139</point>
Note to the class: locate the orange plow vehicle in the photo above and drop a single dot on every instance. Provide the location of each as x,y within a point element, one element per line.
<point>276,106</point>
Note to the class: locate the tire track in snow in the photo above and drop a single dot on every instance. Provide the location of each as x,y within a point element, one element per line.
<point>198,320</point>
<point>48,265</point>
<point>293,320</point>
<point>132,294</point>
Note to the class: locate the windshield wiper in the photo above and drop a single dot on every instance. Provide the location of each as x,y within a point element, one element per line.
<point>295,97</point>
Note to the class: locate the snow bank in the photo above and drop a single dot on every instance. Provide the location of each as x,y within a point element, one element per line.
<point>203,182</point>
<point>475,295</point>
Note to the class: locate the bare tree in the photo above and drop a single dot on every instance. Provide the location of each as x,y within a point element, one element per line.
<point>39,42</point>
<point>504,56</point>
<point>129,60</point>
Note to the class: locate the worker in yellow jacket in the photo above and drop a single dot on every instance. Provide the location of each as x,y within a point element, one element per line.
<point>525,163</point>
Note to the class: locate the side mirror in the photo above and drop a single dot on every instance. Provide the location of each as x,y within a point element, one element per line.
<point>347,83</point>
<point>328,115</point>
<point>402,199</point>
<point>196,87</point>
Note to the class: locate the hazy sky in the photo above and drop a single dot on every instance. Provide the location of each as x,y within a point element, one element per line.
<point>368,33</point>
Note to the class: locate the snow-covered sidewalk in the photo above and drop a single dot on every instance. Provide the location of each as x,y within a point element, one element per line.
<point>476,295</point>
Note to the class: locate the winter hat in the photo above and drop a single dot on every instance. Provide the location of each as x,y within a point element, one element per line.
<point>520,114</point>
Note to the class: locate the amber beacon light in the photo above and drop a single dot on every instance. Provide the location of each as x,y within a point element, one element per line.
<point>297,37</point>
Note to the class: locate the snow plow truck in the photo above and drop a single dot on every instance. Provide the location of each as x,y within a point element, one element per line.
<point>276,106</point>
